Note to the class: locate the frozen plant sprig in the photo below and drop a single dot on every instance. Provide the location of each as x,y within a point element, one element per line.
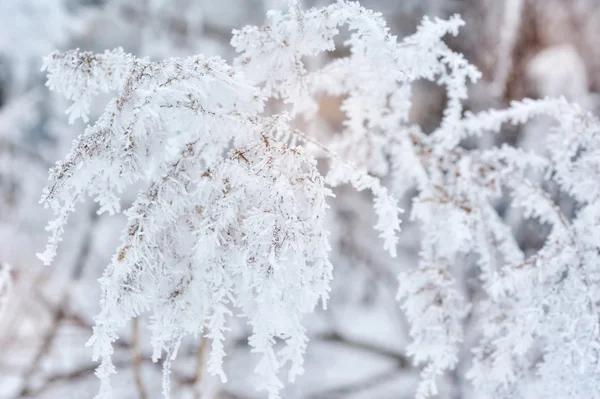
<point>232,217</point>
<point>531,303</point>
<point>232,213</point>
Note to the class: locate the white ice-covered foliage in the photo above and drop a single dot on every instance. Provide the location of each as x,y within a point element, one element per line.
<point>231,212</point>
<point>232,216</point>
<point>375,81</point>
<point>456,190</point>
<point>541,327</point>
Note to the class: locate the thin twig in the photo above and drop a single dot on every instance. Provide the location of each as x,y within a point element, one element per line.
<point>136,360</point>
<point>200,354</point>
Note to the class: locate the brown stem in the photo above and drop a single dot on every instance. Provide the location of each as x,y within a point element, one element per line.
<point>197,383</point>
<point>136,361</point>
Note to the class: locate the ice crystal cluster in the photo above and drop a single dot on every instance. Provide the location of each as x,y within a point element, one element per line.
<point>230,216</point>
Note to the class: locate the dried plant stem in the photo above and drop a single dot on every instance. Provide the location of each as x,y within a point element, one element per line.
<point>200,355</point>
<point>137,358</point>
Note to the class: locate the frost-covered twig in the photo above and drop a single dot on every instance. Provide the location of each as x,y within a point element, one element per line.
<point>232,213</point>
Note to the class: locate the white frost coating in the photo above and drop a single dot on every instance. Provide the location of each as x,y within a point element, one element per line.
<point>531,300</point>
<point>232,216</point>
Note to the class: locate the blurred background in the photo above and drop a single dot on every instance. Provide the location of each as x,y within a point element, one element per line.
<point>524,48</point>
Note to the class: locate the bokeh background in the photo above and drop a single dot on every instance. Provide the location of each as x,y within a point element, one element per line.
<point>524,48</point>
